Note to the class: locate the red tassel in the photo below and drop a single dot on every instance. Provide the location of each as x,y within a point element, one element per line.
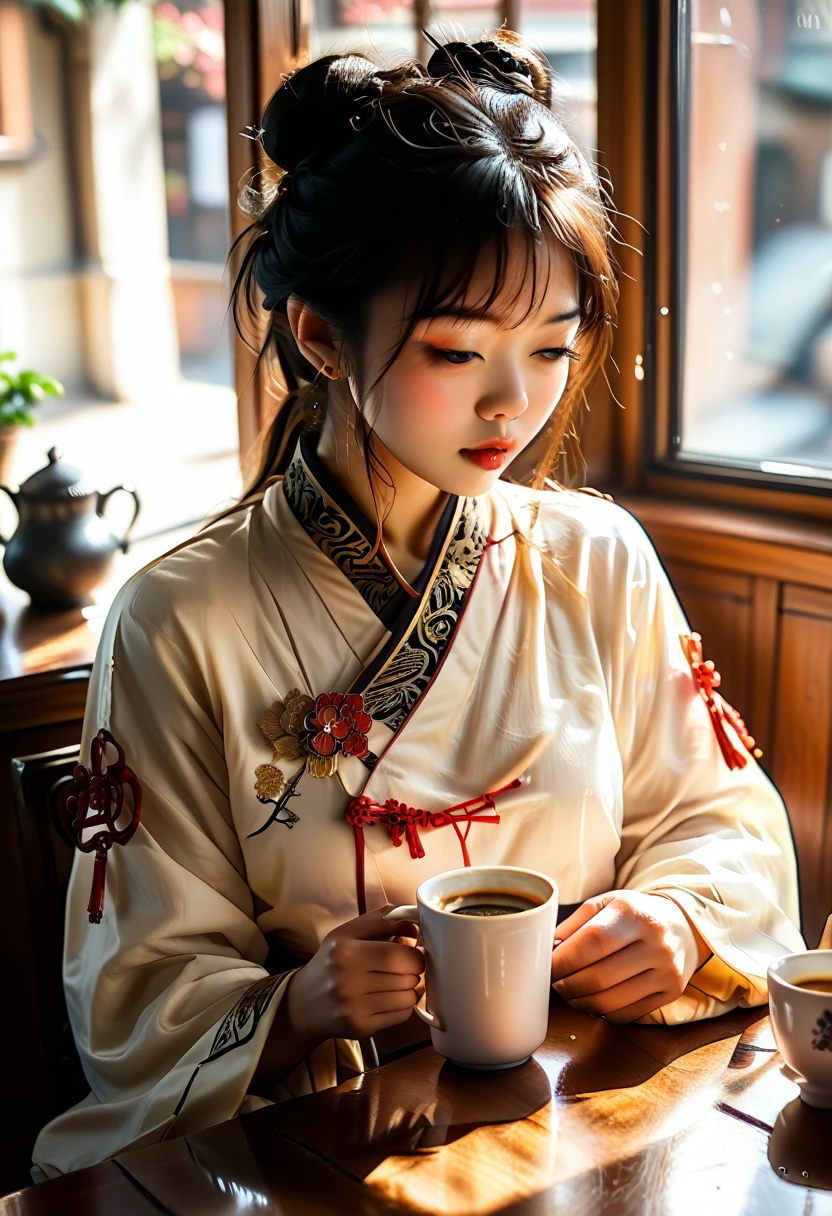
<point>99,875</point>
<point>708,680</point>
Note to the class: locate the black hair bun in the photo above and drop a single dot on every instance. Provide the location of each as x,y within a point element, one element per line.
<point>478,60</point>
<point>313,108</point>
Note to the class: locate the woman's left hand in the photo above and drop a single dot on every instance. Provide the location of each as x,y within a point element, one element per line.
<point>623,954</point>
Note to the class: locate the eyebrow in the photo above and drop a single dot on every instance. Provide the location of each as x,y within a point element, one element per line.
<point>471,314</point>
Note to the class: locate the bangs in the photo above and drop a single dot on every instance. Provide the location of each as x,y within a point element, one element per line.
<point>440,274</point>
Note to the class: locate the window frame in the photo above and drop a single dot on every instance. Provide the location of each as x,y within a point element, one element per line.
<point>661,470</point>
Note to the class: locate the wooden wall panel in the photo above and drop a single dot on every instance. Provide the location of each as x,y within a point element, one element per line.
<point>803,729</point>
<point>760,592</point>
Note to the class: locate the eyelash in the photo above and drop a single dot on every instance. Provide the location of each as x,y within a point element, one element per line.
<point>561,352</point>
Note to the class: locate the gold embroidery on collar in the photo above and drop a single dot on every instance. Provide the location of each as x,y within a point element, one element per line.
<point>337,537</point>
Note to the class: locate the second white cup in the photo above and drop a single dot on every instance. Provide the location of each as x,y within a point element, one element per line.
<point>801,1019</point>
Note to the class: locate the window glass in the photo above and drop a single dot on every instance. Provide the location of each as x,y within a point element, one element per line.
<point>757,376</point>
<point>348,25</point>
<point>566,31</point>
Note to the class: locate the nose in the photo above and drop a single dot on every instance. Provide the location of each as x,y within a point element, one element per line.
<point>506,399</point>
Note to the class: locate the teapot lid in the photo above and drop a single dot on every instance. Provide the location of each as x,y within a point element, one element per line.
<point>55,480</point>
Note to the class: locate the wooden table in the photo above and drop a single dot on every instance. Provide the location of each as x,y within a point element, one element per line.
<point>619,1121</point>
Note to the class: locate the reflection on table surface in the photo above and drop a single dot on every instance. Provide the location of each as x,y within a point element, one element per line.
<point>604,1119</point>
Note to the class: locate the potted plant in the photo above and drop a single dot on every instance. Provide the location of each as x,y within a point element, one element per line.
<point>19,392</point>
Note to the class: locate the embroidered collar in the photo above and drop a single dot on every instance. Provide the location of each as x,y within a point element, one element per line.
<point>341,530</point>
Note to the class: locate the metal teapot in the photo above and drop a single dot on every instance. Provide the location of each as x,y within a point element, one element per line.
<point>63,546</point>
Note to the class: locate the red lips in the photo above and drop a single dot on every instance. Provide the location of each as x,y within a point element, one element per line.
<point>491,453</point>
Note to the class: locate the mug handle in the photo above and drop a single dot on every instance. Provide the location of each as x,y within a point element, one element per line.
<point>103,499</point>
<point>411,912</point>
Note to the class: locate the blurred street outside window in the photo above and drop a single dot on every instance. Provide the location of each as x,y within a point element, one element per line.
<point>757,383</point>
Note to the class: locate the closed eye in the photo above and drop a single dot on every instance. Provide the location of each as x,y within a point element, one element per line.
<point>553,353</point>
<point>456,357</point>
<point>460,357</point>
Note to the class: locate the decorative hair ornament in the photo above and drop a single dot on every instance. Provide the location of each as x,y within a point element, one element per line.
<point>99,803</point>
<point>707,680</point>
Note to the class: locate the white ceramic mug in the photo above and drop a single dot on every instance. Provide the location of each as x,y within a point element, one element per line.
<point>802,1022</point>
<point>487,978</point>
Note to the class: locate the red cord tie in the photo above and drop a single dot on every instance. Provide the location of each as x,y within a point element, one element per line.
<point>99,802</point>
<point>708,680</point>
<point>403,821</point>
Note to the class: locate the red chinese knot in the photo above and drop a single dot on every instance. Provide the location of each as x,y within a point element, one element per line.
<point>98,803</point>
<point>403,823</point>
<point>707,680</point>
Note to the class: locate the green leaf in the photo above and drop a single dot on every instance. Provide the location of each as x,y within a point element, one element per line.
<point>51,386</point>
<point>6,355</point>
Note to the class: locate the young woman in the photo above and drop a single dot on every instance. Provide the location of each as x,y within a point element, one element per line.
<point>387,661</point>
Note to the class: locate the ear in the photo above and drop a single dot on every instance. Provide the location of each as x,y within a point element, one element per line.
<point>312,334</point>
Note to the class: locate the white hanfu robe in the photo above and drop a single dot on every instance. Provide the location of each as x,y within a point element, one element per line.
<point>545,643</point>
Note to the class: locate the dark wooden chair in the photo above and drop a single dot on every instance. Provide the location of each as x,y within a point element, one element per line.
<point>41,785</point>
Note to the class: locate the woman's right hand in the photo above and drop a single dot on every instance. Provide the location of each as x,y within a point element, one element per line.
<point>357,983</point>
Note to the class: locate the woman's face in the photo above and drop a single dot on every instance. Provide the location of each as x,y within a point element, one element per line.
<point>467,392</point>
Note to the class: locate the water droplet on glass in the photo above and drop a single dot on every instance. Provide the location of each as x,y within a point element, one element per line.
<point>639,373</point>
<point>639,359</point>
<point>717,289</point>
<point>664,311</point>
<point>805,1173</point>
<point>573,1036</point>
<point>782,1170</point>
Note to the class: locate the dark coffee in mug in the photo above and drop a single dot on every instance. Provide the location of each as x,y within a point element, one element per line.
<point>488,903</point>
<point>822,984</point>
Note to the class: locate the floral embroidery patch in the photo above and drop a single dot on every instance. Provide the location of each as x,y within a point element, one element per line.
<point>317,733</point>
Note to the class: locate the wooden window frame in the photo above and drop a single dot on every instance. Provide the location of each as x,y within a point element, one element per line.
<point>643,122</point>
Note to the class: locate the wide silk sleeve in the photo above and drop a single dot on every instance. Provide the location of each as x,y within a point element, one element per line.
<point>168,993</point>
<point>715,840</point>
